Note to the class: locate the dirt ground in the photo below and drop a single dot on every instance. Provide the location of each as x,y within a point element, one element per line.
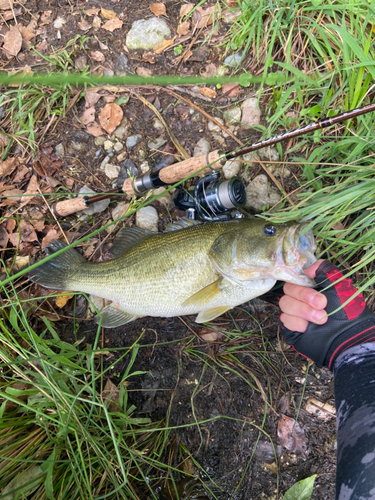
<point>222,382</point>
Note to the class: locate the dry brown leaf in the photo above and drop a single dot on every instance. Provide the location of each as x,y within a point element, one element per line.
<point>63,299</point>
<point>183,28</point>
<point>109,98</point>
<point>211,70</point>
<point>232,4</point>
<point>158,9</point>
<point>185,56</point>
<point>291,435</point>
<point>10,196</point>
<point>324,411</point>
<point>27,232</point>
<point>110,396</point>
<point>88,116</point>
<point>7,166</point>
<point>46,17</point>
<point>149,57</point>
<point>11,223</point>
<point>211,337</point>
<point>27,34</point>
<point>112,25</point>
<point>207,92</point>
<point>95,129</point>
<point>12,42</point>
<point>203,16</point>
<point>108,14</point>
<point>91,98</point>
<point>21,173</point>
<point>4,140</point>
<point>161,46</point>
<point>4,236</point>
<point>32,189</point>
<point>96,23</point>
<point>110,117</point>
<point>186,8</point>
<point>90,249</point>
<point>145,72</point>
<point>84,25</point>
<point>92,12</point>
<point>6,4</point>
<point>97,56</point>
<point>52,234</point>
<point>230,89</point>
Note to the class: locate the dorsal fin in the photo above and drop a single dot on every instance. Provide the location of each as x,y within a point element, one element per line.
<point>128,237</point>
<point>182,224</point>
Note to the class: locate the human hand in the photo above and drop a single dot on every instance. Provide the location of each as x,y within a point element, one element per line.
<point>309,323</point>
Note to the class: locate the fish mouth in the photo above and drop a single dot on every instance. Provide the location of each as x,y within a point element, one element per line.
<point>297,253</point>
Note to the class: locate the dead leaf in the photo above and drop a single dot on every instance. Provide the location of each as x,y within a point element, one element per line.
<point>52,234</point>
<point>323,411</point>
<point>112,25</point>
<point>27,34</point>
<point>291,435</point>
<point>109,98</point>
<point>92,12</point>
<point>21,173</point>
<point>211,337</point>
<point>6,4</point>
<point>185,56</point>
<point>145,72</point>
<point>95,129</point>
<point>183,28</point>
<point>10,196</point>
<point>12,42</point>
<point>27,232</point>
<point>211,70</point>
<point>88,116</point>
<point>207,92</point>
<point>161,46</point>
<point>97,56</point>
<point>91,98</point>
<point>232,4</point>
<point>203,17</point>
<point>108,14</point>
<point>90,249</point>
<point>186,8</point>
<point>4,140</point>
<point>96,23</point>
<point>158,9</point>
<point>110,395</point>
<point>7,166</point>
<point>149,57</point>
<point>110,117</point>
<point>42,46</point>
<point>84,25</point>
<point>32,189</point>
<point>46,17</point>
<point>230,89</point>
<point>4,236</point>
<point>63,299</point>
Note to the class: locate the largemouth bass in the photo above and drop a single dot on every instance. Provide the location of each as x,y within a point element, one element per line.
<point>203,269</point>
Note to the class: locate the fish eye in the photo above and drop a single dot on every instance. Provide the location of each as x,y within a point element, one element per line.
<point>269,230</point>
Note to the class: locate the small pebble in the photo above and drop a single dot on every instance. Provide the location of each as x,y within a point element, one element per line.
<point>122,156</point>
<point>59,149</point>
<point>232,116</point>
<point>120,210</point>
<point>157,124</point>
<point>231,168</point>
<point>202,147</point>
<point>132,140</point>
<point>118,146</point>
<point>145,167</point>
<point>108,145</point>
<point>106,160</point>
<point>157,143</point>
<point>147,218</point>
<point>99,141</point>
<point>233,60</point>
<point>111,171</point>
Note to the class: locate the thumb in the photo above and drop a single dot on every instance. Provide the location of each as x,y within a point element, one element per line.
<point>311,271</point>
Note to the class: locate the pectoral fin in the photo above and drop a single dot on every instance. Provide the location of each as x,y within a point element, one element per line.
<point>112,317</point>
<point>204,295</point>
<point>211,314</point>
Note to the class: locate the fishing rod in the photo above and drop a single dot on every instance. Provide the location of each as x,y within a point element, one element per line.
<point>214,160</point>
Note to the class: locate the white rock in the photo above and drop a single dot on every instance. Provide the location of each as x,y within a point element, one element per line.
<point>202,147</point>
<point>120,210</point>
<point>212,127</point>
<point>259,193</point>
<point>269,153</point>
<point>232,116</point>
<point>145,167</point>
<point>145,34</point>
<point>111,171</point>
<point>157,124</point>
<point>250,112</point>
<point>231,168</point>
<point>118,147</point>
<point>233,60</point>
<point>147,218</point>
<point>108,145</point>
<point>59,149</point>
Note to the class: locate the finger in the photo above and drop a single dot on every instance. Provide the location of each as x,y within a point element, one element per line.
<point>310,271</point>
<point>294,307</point>
<point>305,294</point>
<point>294,323</point>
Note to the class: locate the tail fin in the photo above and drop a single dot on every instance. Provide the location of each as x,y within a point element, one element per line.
<point>55,274</point>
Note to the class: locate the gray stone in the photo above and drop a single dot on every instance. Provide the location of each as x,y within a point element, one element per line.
<point>99,141</point>
<point>97,207</point>
<point>147,218</point>
<point>269,153</point>
<point>260,194</point>
<point>122,65</point>
<point>233,60</point>
<point>77,146</point>
<point>212,127</point>
<point>232,116</point>
<point>145,34</point>
<point>231,168</point>
<point>118,147</point>
<point>59,149</point>
<point>111,171</point>
<point>120,210</point>
<point>202,147</point>
<point>219,138</point>
<point>157,143</point>
<point>250,112</point>
<point>122,156</point>
<point>132,140</point>
<point>121,132</point>
<point>108,72</point>
<point>106,160</point>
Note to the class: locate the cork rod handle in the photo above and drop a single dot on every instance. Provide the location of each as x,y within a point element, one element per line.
<point>68,207</point>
